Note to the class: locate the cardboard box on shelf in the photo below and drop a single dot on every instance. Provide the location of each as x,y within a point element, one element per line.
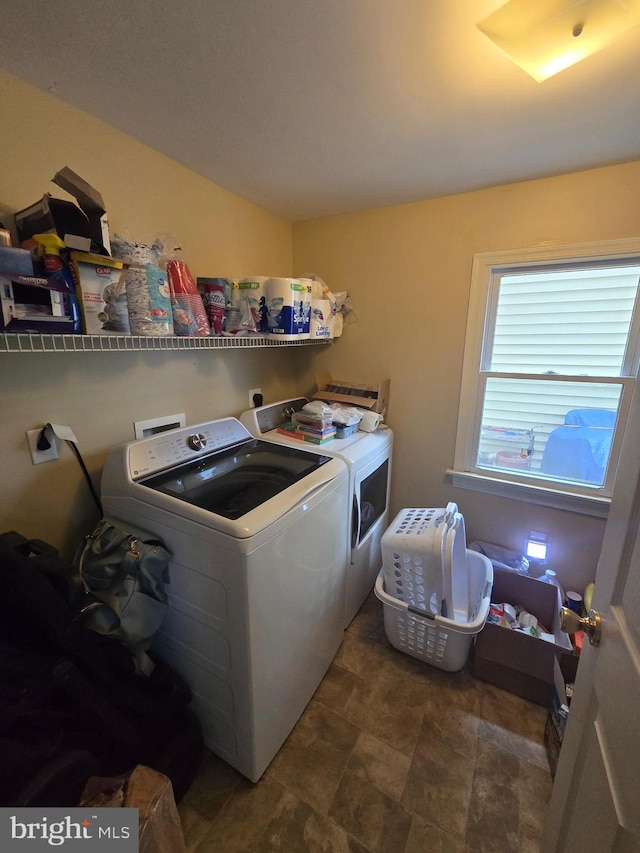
<point>81,226</point>
<point>564,673</point>
<point>375,399</point>
<point>516,661</point>
<point>37,305</point>
<point>15,261</point>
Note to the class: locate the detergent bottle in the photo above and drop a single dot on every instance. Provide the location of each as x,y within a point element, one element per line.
<point>59,276</point>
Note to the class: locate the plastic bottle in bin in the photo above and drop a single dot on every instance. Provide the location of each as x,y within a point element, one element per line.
<point>551,578</point>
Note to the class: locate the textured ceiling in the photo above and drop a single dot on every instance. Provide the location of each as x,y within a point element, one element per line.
<point>315,107</point>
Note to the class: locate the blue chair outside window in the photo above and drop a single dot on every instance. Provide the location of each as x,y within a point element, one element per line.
<point>579,450</point>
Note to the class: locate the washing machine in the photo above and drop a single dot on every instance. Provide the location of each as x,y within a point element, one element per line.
<point>368,457</point>
<point>257,534</point>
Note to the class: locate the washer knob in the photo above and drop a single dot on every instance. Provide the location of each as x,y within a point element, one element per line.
<point>197,441</point>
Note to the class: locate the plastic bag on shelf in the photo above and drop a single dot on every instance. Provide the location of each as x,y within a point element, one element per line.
<point>214,297</point>
<point>189,315</point>
<point>147,289</point>
<point>341,307</point>
<point>241,316</point>
<point>502,558</point>
<point>345,415</point>
<point>318,408</point>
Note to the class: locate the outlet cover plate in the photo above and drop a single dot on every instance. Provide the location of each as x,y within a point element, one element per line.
<point>38,456</point>
<point>253,391</point>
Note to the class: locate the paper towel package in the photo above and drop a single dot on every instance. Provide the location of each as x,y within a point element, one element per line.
<point>289,303</point>
<point>322,319</point>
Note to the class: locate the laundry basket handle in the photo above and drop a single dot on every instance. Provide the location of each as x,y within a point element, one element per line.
<point>450,512</point>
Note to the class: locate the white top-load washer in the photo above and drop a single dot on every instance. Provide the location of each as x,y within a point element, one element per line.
<point>257,533</point>
<point>367,455</point>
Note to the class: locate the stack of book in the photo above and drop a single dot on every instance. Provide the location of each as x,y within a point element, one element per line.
<point>309,428</point>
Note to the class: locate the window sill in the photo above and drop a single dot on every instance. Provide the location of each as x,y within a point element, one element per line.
<point>585,504</point>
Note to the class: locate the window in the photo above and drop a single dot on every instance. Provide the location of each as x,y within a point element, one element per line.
<point>550,363</point>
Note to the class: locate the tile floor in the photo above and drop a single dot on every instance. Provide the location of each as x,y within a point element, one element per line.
<point>391,754</point>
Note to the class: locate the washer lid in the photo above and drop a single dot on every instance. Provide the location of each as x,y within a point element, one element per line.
<point>235,481</point>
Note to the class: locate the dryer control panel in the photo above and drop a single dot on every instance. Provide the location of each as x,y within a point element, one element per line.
<point>265,418</point>
<point>167,449</point>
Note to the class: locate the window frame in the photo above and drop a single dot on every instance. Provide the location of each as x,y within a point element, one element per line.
<point>487,269</point>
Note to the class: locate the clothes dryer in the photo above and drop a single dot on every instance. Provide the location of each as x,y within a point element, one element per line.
<point>258,537</point>
<point>368,457</point>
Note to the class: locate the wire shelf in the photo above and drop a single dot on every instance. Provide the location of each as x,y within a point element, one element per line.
<point>27,342</point>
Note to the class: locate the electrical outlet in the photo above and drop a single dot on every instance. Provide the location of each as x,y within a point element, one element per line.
<point>38,456</point>
<point>252,393</point>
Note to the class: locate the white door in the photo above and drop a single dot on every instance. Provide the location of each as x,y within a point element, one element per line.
<point>595,804</point>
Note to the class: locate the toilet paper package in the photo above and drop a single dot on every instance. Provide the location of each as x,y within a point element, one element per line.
<point>251,300</point>
<point>247,311</point>
<point>322,319</point>
<point>289,307</point>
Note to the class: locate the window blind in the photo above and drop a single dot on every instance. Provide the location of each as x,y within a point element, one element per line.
<point>564,322</point>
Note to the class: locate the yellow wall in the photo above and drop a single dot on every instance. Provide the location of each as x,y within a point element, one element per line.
<point>408,271</point>
<point>101,395</point>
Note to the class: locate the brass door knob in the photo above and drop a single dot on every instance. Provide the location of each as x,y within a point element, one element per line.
<point>570,622</point>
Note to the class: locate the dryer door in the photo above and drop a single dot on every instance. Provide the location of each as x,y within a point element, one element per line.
<point>370,497</point>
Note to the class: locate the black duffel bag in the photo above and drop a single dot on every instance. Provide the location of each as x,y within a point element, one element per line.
<point>71,702</point>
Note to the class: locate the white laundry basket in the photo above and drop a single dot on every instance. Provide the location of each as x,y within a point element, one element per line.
<point>424,559</point>
<point>437,640</point>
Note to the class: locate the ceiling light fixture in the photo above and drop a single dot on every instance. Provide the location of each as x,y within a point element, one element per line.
<point>544,37</point>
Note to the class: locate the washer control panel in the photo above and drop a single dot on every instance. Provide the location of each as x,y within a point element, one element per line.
<point>197,441</point>
<point>174,447</point>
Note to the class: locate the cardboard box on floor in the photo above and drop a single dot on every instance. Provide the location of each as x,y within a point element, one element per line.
<point>352,394</point>
<point>564,672</point>
<point>149,791</point>
<point>515,661</point>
